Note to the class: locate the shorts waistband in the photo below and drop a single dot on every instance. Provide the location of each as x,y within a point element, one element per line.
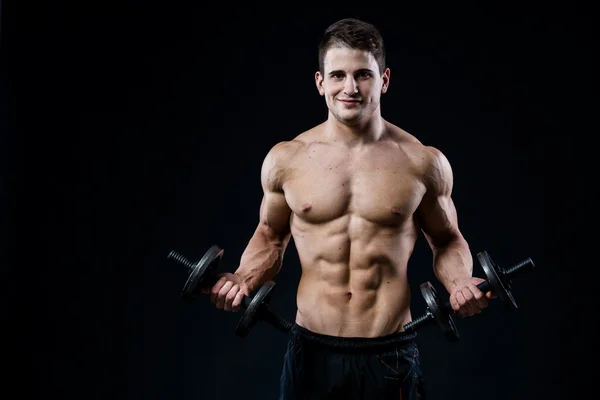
<point>354,343</point>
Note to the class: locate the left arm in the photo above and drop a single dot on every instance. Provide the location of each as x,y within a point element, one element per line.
<point>452,259</point>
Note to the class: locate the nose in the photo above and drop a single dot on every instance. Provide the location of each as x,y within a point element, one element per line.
<point>350,86</point>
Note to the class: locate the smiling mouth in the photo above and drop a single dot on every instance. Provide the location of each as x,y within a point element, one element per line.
<point>349,102</point>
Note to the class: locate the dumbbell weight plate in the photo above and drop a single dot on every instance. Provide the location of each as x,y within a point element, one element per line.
<point>200,272</point>
<point>443,319</point>
<point>496,280</point>
<point>251,314</point>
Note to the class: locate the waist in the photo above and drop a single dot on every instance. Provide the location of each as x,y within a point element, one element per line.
<point>352,344</point>
<point>348,312</point>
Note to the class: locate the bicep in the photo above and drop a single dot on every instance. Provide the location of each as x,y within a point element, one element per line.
<point>275,212</point>
<point>437,211</point>
<point>438,220</point>
<point>274,220</point>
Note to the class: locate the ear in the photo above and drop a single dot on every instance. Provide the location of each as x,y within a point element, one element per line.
<point>385,80</point>
<point>319,83</point>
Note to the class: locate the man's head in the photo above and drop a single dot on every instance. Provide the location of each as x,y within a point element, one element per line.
<point>355,34</point>
<point>352,74</point>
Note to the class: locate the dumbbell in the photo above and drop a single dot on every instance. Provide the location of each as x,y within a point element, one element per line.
<point>203,274</point>
<point>498,281</point>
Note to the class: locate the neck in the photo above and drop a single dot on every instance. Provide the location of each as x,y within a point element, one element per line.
<point>359,133</point>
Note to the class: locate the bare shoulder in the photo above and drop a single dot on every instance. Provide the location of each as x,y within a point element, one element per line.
<point>437,172</point>
<point>276,166</point>
<point>280,155</point>
<point>406,142</point>
<point>400,136</point>
<point>430,162</point>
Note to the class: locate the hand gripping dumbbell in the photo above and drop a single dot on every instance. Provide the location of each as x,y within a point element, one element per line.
<point>203,274</point>
<point>498,281</point>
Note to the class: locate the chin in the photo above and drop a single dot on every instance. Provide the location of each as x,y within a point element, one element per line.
<point>349,118</point>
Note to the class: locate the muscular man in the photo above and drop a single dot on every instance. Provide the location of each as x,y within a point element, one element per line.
<point>354,193</point>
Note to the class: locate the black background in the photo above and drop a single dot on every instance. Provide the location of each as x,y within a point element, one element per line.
<point>142,128</point>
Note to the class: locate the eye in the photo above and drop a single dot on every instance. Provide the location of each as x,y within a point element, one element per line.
<point>365,74</point>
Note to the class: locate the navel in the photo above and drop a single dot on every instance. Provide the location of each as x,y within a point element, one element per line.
<point>349,295</point>
<point>306,207</point>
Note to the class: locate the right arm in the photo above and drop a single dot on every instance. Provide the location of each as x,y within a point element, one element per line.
<point>263,256</point>
<point>262,259</point>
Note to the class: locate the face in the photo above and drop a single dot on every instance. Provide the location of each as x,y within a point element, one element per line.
<point>351,84</point>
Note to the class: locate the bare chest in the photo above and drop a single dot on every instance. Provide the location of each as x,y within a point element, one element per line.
<point>381,187</point>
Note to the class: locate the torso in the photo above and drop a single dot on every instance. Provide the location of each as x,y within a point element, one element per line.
<point>354,228</point>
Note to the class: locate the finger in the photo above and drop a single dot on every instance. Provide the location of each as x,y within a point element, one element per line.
<point>230,297</point>
<point>454,302</point>
<point>223,294</point>
<point>479,299</point>
<point>214,291</point>
<point>460,299</point>
<point>237,302</point>
<point>470,307</point>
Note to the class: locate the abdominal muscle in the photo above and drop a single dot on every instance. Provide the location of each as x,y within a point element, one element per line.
<point>354,277</point>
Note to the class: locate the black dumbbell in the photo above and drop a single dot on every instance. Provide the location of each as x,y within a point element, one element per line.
<point>203,274</point>
<point>498,281</point>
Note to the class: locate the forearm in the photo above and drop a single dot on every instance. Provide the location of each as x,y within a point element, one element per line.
<point>261,260</point>
<point>452,262</point>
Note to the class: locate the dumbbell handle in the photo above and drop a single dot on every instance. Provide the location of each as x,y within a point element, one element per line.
<point>210,280</point>
<point>265,311</point>
<point>266,314</point>
<point>486,286</point>
<point>270,317</point>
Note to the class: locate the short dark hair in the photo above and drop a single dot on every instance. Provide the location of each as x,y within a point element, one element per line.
<point>355,34</point>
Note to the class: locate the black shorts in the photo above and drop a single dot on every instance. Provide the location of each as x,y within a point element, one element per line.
<point>327,367</point>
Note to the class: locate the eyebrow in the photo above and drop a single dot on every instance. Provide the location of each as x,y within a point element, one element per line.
<point>339,71</point>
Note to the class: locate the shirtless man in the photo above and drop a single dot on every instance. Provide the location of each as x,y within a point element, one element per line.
<point>354,193</point>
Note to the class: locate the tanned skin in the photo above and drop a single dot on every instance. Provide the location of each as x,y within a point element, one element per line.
<point>354,193</point>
